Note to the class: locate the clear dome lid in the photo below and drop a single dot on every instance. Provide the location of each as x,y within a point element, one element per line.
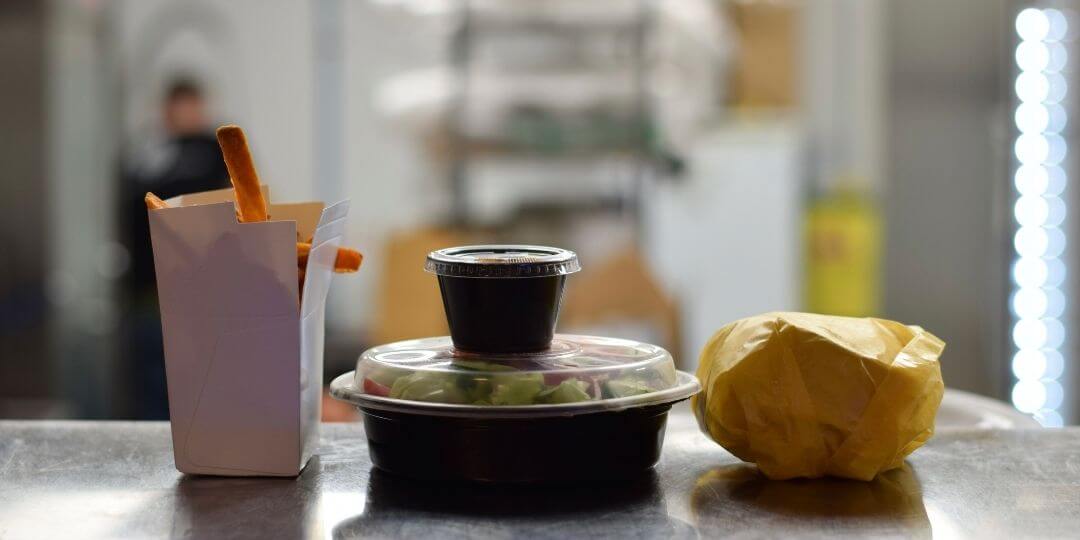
<point>502,261</point>
<point>578,374</point>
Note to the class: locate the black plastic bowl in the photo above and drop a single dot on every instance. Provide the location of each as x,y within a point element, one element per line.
<point>504,298</point>
<point>529,444</point>
<point>516,450</point>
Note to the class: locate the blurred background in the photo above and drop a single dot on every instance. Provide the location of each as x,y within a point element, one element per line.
<point>707,159</point>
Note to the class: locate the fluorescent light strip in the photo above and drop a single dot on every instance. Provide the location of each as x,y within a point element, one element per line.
<point>1038,271</point>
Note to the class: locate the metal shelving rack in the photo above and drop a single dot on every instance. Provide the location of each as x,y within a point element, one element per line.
<point>473,28</point>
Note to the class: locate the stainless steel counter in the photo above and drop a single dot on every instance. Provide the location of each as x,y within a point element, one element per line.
<point>116,480</point>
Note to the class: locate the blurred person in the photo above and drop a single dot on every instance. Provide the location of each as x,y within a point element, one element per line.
<point>182,156</point>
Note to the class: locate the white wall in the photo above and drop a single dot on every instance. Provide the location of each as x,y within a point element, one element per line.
<point>843,91</point>
<point>947,239</point>
<point>726,237</point>
<point>80,149</point>
<point>389,181</point>
<point>255,56</point>
<point>260,60</point>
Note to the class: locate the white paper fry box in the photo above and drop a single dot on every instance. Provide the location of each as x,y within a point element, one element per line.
<point>243,354</point>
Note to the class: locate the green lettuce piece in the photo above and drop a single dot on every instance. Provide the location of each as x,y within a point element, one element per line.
<point>625,387</point>
<point>568,391</point>
<point>429,386</point>
<point>385,376</point>
<point>517,389</point>
<point>666,374</point>
<point>477,390</point>
<point>480,365</point>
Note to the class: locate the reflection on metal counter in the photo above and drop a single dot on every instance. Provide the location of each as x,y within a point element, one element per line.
<point>116,480</point>
<point>730,498</point>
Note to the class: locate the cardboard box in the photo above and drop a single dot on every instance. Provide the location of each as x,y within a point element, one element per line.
<point>243,355</point>
<point>766,66</point>
<point>621,297</point>
<point>408,299</point>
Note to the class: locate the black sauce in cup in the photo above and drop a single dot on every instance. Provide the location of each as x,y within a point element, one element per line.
<point>502,298</point>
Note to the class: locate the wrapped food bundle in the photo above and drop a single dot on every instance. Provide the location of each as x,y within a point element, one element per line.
<point>804,395</point>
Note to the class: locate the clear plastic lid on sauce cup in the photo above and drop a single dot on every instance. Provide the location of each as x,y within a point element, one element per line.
<point>576,375</point>
<point>502,298</point>
<point>502,261</point>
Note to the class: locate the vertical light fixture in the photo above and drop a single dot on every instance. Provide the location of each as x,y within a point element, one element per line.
<point>1038,271</point>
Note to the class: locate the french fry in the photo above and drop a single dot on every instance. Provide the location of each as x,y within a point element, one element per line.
<point>251,205</point>
<point>153,202</point>
<point>303,249</point>
<point>346,261</point>
<point>300,283</point>
<point>245,180</point>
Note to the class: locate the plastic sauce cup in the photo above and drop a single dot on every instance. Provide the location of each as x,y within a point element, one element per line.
<point>502,298</point>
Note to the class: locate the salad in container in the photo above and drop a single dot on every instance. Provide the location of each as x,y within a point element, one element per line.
<point>501,408</point>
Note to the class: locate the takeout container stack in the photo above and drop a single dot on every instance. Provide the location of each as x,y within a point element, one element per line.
<point>243,345</point>
<point>503,398</point>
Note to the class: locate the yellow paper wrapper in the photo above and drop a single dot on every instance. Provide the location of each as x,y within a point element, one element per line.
<point>805,395</point>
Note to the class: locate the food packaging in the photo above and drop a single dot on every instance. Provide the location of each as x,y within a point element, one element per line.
<point>805,395</point>
<point>502,298</point>
<point>243,353</point>
<point>587,407</point>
